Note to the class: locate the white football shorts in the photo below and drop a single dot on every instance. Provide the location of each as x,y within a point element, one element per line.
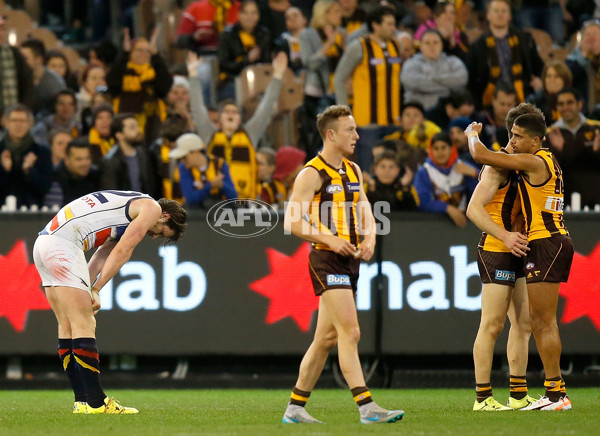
<point>61,263</point>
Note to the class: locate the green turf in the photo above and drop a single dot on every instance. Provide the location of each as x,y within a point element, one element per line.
<point>259,412</point>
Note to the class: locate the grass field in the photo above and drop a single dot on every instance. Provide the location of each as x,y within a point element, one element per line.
<point>258,412</point>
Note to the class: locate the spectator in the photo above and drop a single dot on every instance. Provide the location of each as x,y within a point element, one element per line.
<point>391,183</point>
<point>140,81</point>
<point>25,167</point>
<point>231,140</point>
<point>454,41</point>
<point>584,63</point>
<point>321,48</point>
<point>353,16</point>
<point>93,79</point>
<point>101,97</point>
<point>373,63</point>
<point>63,117</point>
<point>456,131</point>
<point>547,15</point>
<point>103,54</point>
<point>459,103</point>
<point>444,182</point>
<point>246,43</point>
<point>57,61</point>
<point>432,74</point>
<point>75,177</point>
<point>575,141</point>
<point>288,162</point>
<point>99,137</point>
<point>555,76</point>
<point>502,54</point>
<point>494,119</point>
<point>129,166</point>
<point>416,131</point>
<point>178,100</point>
<point>205,179</point>
<point>289,41</point>
<point>46,83</point>
<point>172,128</point>
<point>202,23</point>
<point>407,45</point>
<point>265,164</point>
<point>272,16</point>
<point>58,140</point>
<point>16,77</point>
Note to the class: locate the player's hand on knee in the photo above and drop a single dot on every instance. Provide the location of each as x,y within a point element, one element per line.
<point>95,301</point>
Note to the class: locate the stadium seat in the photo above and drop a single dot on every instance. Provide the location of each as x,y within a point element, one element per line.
<point>543,41</point>
<point>18,25</point>
<point>559,54</point>
<point>73,58</point>
<point>250,85</point>
<point>46,36</point>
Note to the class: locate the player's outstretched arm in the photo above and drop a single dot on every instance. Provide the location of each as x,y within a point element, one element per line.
<point>517,162</point>
<point>483,194</point>
<point>98,258</point>
<point>145,214</point>
<point>297,221</point>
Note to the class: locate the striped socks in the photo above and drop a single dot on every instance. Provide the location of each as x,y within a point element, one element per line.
<point>65,352</point>
<point>86,356</point>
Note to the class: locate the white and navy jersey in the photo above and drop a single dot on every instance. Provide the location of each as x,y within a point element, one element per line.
<point>93,219</point>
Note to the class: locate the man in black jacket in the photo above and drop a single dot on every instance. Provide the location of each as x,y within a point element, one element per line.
<point>75,176</point>
<point>502,54</point>
<point>130,166</point>
<point>25,167</point>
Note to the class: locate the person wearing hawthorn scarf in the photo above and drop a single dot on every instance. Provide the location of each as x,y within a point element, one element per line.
<point>503,54</point>
<point>246,43</point>
<point>16,78</point>
<point>140,81</point>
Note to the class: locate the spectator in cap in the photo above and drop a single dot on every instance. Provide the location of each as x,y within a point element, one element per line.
<point>204,179</point>
<point>289,161</point>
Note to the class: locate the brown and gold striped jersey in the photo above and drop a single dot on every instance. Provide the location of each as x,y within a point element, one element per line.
<point>333,209</point>
<point>543,204</point>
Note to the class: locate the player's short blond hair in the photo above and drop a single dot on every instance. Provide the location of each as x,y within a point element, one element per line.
<point>328,118</point>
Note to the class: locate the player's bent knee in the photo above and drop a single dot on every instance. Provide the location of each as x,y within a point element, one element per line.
<point>492,327</point>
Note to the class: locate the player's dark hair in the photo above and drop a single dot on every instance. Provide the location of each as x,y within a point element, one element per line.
<point>329,116</point>
<point>533,124</point>
<point>521,109</point>
<point>377,14</point>
<point>178,217</point>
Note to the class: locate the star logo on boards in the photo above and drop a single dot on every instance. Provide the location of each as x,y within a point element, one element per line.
<point>289,287</point>
<point>582,291</point>
<point>20,291</point>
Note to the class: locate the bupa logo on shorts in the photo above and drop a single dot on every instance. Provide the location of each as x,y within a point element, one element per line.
<point>334,189</point>
<point>338,279</point>
<point>242,218</point>
<point>353,186</point>
<point>530,265</point>
<point>505,275</point>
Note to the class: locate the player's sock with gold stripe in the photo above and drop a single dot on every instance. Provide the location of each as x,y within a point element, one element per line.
<point>362,395</point>
<point>299,397</point>
<point>518,387</point>
<point>483,391</point>
<point>563,387</point>
<point>86,355</point>
<point>552,386</point>
<point>65,352</point>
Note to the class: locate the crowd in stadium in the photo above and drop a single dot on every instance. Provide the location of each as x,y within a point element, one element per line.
<point>416,74</point>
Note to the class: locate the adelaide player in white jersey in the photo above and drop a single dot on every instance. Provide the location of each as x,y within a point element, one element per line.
<point>113,223</point>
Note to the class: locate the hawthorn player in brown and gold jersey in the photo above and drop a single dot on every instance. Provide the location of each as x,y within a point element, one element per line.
<point>548,261</point>
<point>329,208</point>
<point>494,208</point>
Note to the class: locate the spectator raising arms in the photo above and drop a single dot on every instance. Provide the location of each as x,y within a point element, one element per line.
<point>140,81</point>
<point>231,140</point>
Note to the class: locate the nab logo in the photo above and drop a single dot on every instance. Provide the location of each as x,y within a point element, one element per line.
<point>242,218</point>
<point>505,275</point>
<point>338,279</point>
<point>334,189</point>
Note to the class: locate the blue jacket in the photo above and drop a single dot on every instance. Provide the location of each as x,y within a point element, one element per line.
<point>196,197</point>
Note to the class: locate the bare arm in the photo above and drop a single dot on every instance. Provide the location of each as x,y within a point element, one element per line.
<point>491,179</point>
<point>518,162</point>
<point>145,214</point>
<point>363,209</point>
<point>98,258</point>
<point>296,219</point>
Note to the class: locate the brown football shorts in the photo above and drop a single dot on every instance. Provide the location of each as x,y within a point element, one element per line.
<point>549,260</point>
<point>499,267</point>
<point>329,270</point>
